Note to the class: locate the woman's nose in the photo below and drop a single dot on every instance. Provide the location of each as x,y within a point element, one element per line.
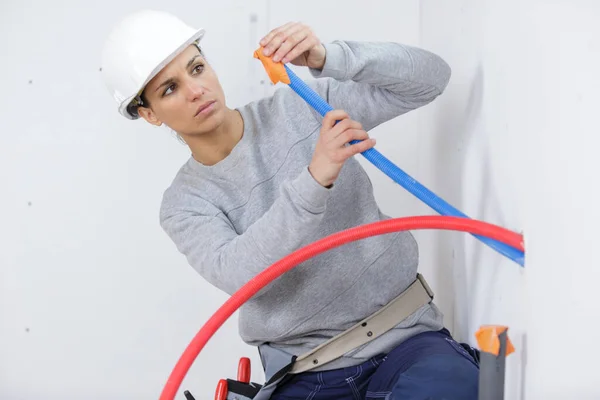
<point>195,90</point>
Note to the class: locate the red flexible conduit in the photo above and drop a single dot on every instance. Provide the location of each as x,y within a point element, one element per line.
<point>285,264</point>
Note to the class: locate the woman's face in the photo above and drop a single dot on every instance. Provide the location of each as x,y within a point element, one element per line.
<point>186,96</point>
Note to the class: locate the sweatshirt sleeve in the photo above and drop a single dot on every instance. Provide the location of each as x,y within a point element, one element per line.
<point>227,259</point>
<point>375,82</point>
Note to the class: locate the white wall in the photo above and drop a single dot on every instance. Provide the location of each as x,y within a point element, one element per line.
<point>514,142</point>
<point>96,303</point>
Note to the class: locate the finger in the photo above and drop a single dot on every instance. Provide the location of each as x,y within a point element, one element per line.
<point>265,40</point>
<point>288,43</point>
<point>344,125</point>
<point>331,134</point>
<point>359,147</point>
<point>348,136</point>
<point>279,37</point>
<point>307,43</point>
<point>332,117</point>
<point>295,35</point>
<point>340,130</point>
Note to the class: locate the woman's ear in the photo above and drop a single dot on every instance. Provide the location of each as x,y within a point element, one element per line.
<point>149,115</point>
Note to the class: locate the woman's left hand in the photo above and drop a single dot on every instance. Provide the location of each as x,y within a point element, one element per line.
<point>296,43</point>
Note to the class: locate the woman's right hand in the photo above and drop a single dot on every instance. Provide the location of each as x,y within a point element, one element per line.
<point>331,150</point>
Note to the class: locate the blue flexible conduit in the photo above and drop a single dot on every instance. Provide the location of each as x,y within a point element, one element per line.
<point>399,176</point>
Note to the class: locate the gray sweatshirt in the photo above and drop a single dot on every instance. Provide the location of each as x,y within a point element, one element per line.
<point>236,218</point>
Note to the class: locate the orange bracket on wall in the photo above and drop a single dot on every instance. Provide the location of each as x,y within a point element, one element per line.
<point>487,338</point>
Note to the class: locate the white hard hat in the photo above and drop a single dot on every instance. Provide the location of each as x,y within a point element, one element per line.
<point>138,47</point>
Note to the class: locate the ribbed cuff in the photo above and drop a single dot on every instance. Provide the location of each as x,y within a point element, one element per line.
<point>312,194</point>
<point>336,64</point>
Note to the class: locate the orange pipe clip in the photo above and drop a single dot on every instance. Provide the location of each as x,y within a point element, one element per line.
<point>276,71</point>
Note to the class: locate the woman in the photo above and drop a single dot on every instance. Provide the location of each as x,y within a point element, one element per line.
<point>272,176</point>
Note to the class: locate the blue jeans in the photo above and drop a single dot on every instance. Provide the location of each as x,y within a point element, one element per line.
<point>428,366</point>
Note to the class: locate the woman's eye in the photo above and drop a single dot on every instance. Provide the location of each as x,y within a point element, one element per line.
<point>198,68</point>
<point>171,88</point>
